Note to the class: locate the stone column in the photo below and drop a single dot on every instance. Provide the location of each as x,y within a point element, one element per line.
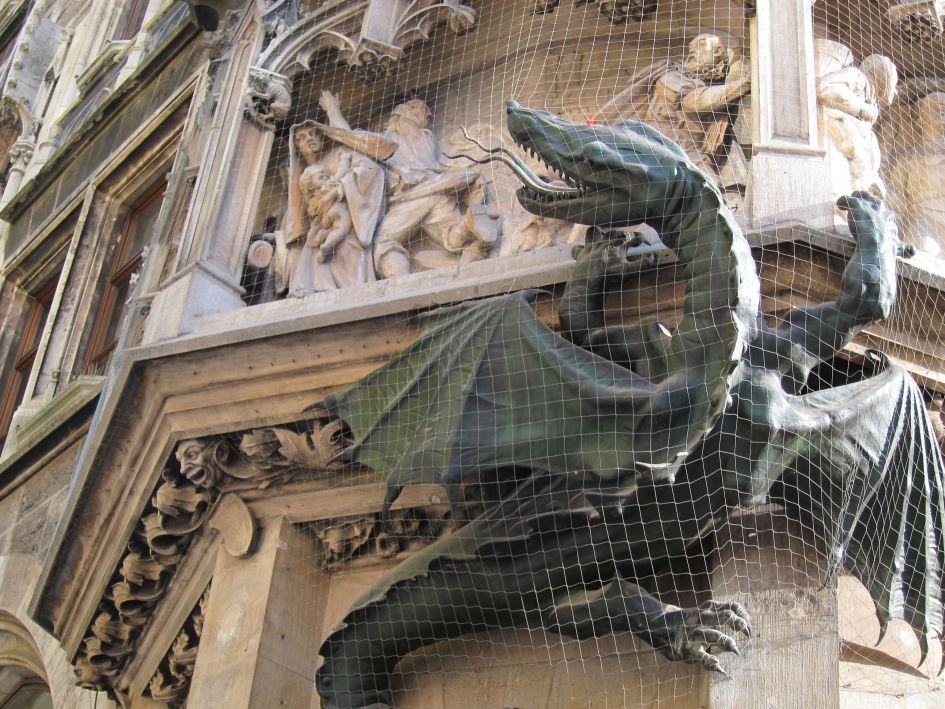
<point>789,178</point>
<point>264,620</point>
<point>231,152</point>
<point>772,565</point>
<point>20,155</point>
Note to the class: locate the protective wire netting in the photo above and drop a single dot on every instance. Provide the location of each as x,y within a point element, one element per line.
<point>657,425</point>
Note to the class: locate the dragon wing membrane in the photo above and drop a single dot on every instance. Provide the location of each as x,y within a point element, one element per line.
<point>488,385</point>
<point>871,478</point>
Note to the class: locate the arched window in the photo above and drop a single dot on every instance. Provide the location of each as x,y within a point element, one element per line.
<point>23,682</point>
<point>29,694</point>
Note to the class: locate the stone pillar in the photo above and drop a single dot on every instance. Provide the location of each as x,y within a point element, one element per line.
<point>772,565</point>
<point>789,178</point>
<point>264,620</point>
<point>231,152</point>
<point>20,155</point>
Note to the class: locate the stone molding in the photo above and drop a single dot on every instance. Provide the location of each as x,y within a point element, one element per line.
<point>369,36</point>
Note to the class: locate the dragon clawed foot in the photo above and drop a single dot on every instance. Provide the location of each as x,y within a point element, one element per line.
<point>680,634</point>
<point>690,634</point>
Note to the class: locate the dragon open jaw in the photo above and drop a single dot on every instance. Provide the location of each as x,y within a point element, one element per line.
<point>534,186</point>
<point>601,175</point>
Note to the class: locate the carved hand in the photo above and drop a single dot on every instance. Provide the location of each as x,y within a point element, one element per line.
<point>329,103</point>
<point>868,112</point>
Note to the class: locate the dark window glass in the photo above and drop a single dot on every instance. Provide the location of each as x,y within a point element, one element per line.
<point>132,20</point>
<point>127,260</point>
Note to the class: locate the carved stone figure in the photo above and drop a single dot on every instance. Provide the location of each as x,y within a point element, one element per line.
<point>851,99</point>
<point>602,453</point>
<point>520,230</point>
<point>916,179</point>
<point>335,200</point>
<point>428,201</point>
<point>268,98</point>
<point>695,103</point>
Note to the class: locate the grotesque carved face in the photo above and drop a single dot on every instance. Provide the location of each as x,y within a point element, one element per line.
<point>198,462</point>
<point>309,142</point>
<point>708,58</point>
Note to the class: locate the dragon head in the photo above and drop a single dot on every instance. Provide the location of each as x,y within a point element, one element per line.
<point>610,176</point>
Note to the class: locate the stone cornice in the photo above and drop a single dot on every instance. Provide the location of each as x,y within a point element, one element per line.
<point>67,417</point>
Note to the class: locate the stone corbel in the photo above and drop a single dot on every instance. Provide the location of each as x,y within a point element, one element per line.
<point>235,523</point>
<point>268,97</point>
<point>918,20</point>
<point>199,487</point>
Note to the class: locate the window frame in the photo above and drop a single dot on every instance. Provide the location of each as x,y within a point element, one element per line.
<point>132,20</point>
<point>124,265</point>
<point>24,360</point>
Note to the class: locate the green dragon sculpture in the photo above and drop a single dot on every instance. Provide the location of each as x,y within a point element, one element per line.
<point>600,453</point>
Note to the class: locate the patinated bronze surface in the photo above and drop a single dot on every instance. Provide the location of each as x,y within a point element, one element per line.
<point>599,454</point>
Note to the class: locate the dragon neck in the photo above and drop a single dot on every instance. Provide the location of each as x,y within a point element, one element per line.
<point>722,289</point>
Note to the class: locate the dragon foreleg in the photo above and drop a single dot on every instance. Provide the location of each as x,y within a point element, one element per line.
<point>519,564</point>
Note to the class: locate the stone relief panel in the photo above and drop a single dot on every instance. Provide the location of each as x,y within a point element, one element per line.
<point>398,192</point>
<point>697,102</point>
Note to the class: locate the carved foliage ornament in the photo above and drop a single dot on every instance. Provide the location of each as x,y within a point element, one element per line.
<point>171,682</point>
<point>391,26</point>
<point>378,536</point>
<point>199,486</point>
<point>619,12</point>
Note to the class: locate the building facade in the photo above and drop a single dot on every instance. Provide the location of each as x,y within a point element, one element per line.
<point>215,215</point>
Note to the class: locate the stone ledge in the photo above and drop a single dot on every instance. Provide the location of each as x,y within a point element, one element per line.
<point>43,422</point>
